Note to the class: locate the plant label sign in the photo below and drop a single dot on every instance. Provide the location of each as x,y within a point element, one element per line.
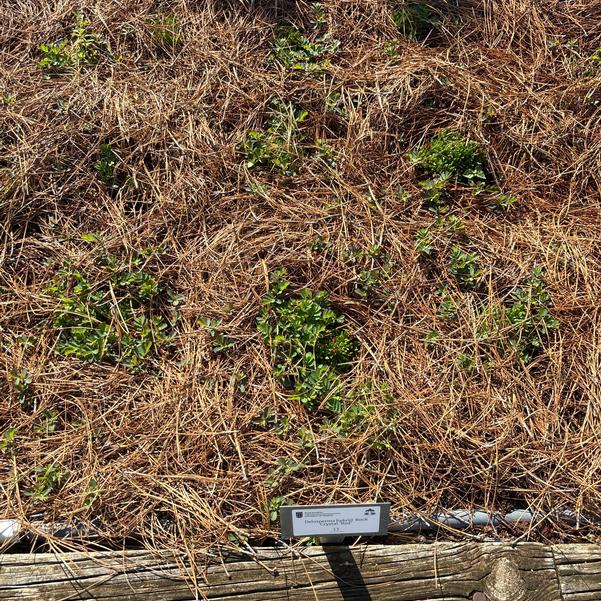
<point>335,520</point>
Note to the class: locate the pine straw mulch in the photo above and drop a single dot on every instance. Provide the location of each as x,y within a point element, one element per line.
<point>173,454</point>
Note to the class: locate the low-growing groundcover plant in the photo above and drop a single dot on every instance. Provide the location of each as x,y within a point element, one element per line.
<point>309,344</point>
<point>517,330</point>
<point>465,268</point>
<point>414,20</point>
<point>114,316</point>
<point>529,317</point>
<point>82,48</point>
<point>294,50</point>
<point>106,167</point>
<point>450,159</point>
<point>449,156</point>
<point>48,479</point>
<point>279,146</point>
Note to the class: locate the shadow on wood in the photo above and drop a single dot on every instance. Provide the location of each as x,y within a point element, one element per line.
<point>347,573</point>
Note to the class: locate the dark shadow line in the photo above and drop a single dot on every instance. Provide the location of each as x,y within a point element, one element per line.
<point>347,573</point>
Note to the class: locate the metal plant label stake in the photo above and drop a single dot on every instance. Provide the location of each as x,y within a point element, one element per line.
<point>332,523</point>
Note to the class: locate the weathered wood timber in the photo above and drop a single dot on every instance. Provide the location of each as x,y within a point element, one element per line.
<point>579,571</point>
<point>432,572</point>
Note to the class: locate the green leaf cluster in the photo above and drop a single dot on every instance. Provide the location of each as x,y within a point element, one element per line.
<point>48,478</point>
<point>166,30</point>
<point>415,20</point>
<point>113,318</point>
<point>20,380</point>
<point>81,48</point>
<point>529,317</point>
<point>106,166</point>
<point>369,408</point>
<point>449,156</point>
<point>279,146</point>
<point>465,267</point>
<point>309,344</point>
<point>220,342</point>
<point>294,50</point>
<point>448,159</point>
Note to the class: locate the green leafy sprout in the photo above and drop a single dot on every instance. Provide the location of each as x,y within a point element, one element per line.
<point>465,267</point>
<point>81,48</point>
<point>309,344</point>
<point>21,381</point>
<point>106,166</point>
<point>529,317</point>
<point>449,156</point>
<point>293,50</point>
<point>7,440</point>
<point>273,507</point>
<point>113,318</point>
<point>278,147</point>
<point>48,479</point>
<point>220,342</point>
<point>166,30</point>
<point>415,20</point>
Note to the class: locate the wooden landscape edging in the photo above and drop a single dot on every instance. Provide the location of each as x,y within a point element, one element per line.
<point>434,572</point>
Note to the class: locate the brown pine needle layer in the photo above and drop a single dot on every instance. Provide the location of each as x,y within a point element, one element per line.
<point>133,152</point>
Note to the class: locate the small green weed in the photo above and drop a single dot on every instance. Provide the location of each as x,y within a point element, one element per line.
<point>220,341</point>
<point>415,20</point>
<point>374,268</point>
<point>369,408</point>
<point>279,147</point>
<point>293,50</point>
<point>465,268</point>
<point>391,48</point>
<point>8,99</point>
<point>432,337</point>
<point>465,362</point>
<point>334,103</point>
<point>112,317</point>
<point>497,200</point>
<point>239,537</point>
<point>92,493</point>
<point>502,202</point>
<point>309,344</point>
<point>106,166</point>
<point>325,153</point>
<point>305,438</point>
<point>448,307</point>
<point>166,30</point>
<point>81,48</point>
<point>49,420</point>
<point>319,16</point>
<point>519,329</point>
<point>426,237</point>
<point>20,380</point>
<point>48,478</point>
<point>450,157</point>
<point>369,283</point>
<point>530,317</point>
<point>285,468</point>
<point>7,440</point>
<point>424,242</point>
<point>435,195</point>
<point>265,419</point>
<point>273,507</point>
<point>450,225</point>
